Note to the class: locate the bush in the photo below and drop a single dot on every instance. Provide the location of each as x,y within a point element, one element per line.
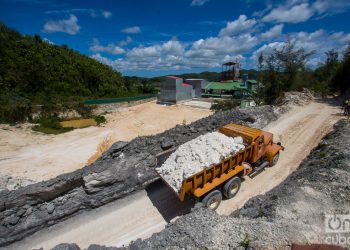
<point>10,114</point>
<point>100,119</point>
<point>49,125</point>
<point>84,110</point>
<point>224,105</point>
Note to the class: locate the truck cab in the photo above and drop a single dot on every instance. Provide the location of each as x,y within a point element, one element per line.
<point>263,146</point>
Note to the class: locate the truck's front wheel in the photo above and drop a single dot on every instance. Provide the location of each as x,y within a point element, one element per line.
<point>212,200</point>
<point>232,187</point>
<point>275,159</point>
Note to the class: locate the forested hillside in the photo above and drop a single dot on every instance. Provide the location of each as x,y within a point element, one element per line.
<point>34,72</point>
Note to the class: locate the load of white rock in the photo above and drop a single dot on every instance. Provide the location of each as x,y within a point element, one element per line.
<point>197,155</point>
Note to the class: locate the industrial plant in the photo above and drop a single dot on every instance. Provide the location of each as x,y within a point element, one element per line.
<point>231,86</point>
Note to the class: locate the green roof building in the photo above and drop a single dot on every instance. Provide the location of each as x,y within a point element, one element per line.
<point>238,90</point>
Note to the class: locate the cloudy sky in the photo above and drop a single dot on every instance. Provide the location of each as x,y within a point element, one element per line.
<point>154,37</point>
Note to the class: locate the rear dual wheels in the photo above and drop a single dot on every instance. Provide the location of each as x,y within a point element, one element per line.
<point>213,199</point>
<point>232,187</point>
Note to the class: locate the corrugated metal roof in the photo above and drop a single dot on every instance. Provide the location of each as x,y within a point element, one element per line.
<point>252,81</point>
<point>225,86</point>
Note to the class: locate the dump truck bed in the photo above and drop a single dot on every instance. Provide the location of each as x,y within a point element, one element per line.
<point>201,182</point>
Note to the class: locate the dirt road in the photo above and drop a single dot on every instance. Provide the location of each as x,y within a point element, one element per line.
<point>32,155</point>
<point>146,212</point>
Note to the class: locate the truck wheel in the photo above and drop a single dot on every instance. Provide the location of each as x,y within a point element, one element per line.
<point>275,159</point>
<point>212,200</point>
<point>232,187</point>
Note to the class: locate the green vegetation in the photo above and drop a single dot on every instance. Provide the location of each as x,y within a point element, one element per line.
<point>322,154</point>
<point>246,241</point>
<point>224,104</point>
<point>285,70</point>
<point>100,119</point>
<point>49,125</point>
<point>35,73</point>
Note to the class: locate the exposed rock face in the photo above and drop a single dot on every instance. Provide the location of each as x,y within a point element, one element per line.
<point>292,212</point>
<point>124,168</point>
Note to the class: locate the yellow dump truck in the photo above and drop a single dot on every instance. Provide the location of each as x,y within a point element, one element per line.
<point>224,178</point>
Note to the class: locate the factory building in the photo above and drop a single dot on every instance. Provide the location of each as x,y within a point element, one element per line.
<point>174,90</point>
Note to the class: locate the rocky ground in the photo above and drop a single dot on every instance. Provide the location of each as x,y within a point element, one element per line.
<point>293,212</point>
<point>124,168</point>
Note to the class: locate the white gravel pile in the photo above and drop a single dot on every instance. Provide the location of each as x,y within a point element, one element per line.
<point>196,155</point>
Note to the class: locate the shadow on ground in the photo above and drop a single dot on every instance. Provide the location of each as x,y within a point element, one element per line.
<point>166,201</point>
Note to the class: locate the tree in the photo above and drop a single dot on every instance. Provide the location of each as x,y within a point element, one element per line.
<point>292,61</point>
<point>258,96</point>
<point>282,70</point>
<point>346,54</point>
<point>341,79</point>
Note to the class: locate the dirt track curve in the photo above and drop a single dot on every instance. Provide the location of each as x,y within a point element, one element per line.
<point>146,212</point>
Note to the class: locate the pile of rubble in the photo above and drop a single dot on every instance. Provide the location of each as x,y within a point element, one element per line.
<point>196,155</point>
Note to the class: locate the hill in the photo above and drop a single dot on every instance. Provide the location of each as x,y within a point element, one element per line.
<point>35,72</point>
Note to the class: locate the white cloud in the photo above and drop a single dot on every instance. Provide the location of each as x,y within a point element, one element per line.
<point>69,26</point>
<point>106,14</point>
<point>132,30</point>
<point>48,41</point>
<point>240,25</point>
<point>337,6</point>
<point>296,11</point>
<point>92,12</point>
<point>218,46</point>
<point>171,47</point>
<point>274,32</point>
<point>341,37</point>
<point>109,49</point>
<point>267,49</point>
<point>285,14</point>
<point>198,2</point>
<point>204,53</point>
<point>125,42</point>
<point>318,41</point>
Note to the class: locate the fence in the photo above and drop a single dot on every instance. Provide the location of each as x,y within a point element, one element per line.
<point>119,100</point>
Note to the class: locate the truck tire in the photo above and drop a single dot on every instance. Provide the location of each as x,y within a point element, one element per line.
<point>275,159</point>
<point>212,200</point>
<point>232,187</point>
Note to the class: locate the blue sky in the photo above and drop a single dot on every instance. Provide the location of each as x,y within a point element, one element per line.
<point>150,38</point>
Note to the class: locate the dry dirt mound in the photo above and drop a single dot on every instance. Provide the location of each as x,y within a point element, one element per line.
<point>292,212</point>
